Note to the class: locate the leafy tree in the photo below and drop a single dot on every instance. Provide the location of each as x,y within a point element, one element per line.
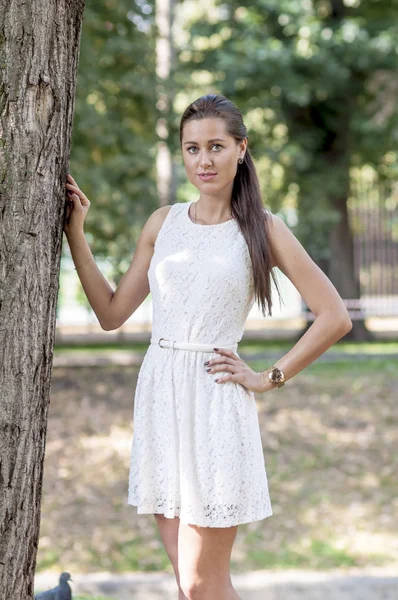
<point>316,81</point>
<point>114,135</point>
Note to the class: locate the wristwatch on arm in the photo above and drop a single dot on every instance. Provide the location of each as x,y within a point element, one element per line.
<point>275,376</point>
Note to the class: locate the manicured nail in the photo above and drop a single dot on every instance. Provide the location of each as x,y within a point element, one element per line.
<point>206,363</point>
<point>216,380</point>
<point>216,349</point>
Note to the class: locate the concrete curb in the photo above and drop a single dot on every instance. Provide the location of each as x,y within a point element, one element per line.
<point>338,584</point>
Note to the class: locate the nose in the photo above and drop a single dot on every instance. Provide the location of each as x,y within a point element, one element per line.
<point>205,160</point>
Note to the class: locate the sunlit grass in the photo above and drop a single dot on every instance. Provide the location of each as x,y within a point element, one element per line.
<point>245,346</point>
<point>341,368</point>
<point>329,439</point>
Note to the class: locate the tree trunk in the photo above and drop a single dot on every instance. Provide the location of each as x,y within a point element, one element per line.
<point>166,172</point>
<point>39,50</point>
<point>342,269</point>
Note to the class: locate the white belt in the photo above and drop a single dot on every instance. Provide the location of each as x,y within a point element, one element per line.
<point>163,343</point>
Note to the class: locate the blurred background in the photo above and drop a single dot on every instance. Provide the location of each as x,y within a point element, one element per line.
<point>317,82</point>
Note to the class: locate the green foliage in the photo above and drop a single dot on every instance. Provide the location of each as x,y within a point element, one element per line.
<point>114,137</point>
<point>316,83</point>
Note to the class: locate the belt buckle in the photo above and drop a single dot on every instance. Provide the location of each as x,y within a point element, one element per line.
<point>159,344</point>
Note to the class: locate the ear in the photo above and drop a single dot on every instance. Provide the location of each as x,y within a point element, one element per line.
<point>243,145</point>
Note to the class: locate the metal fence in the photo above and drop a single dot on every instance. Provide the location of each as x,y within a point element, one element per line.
<point>373,217</point>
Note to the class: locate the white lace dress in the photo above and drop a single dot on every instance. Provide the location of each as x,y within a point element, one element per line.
<point>196,450</point>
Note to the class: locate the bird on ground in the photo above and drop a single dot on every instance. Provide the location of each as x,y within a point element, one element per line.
<point>61,592</point>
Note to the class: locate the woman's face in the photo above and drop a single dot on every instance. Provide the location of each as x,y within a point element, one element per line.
<point>207,148</point>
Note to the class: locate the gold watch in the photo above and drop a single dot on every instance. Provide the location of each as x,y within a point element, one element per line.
<point>276,376</point>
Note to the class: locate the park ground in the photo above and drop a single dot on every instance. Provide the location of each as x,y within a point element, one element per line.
<point>330,446</point>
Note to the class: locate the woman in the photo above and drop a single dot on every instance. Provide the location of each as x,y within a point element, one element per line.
<point>196,459</point>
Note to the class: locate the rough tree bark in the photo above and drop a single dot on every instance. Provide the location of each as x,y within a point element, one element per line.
<point>39,50</point>
<point>166,171</point>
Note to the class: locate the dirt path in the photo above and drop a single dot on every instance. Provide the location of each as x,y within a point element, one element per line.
<point>259,585</point>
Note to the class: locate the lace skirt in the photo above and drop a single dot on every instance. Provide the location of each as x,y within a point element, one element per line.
<point>196,450</point>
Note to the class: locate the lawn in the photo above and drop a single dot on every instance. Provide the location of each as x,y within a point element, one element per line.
<point>249,346</point>
<point>330,449</point>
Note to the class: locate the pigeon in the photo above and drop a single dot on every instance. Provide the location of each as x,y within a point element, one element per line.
<point>61,592</point>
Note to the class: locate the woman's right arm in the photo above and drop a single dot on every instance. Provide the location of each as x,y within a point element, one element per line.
<point>112,308</point>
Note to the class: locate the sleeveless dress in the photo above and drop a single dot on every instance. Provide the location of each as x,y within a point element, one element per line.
<point>196,451</point>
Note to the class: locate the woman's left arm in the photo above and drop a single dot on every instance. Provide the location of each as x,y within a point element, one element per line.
<point>332,320</point>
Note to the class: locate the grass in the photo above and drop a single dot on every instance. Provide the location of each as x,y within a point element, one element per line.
<point>249,346</point>
<point>325,554</point>
<point>343,368</point>
<point>329,438</point>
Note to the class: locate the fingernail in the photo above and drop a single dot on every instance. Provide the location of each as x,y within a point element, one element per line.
<point>216,349</point>
<point>216,380</point>
<point>209,369</point>
<point>206,363</point>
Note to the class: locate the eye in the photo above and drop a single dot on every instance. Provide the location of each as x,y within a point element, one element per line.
<point>194,148</point>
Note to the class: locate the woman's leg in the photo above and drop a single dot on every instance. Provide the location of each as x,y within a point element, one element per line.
<point>204,555</point>
<point>168,529</point>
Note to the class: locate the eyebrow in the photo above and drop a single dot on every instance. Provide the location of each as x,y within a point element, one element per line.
<point>212,140</point>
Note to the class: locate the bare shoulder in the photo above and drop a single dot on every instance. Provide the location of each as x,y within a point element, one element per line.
<point>278,232</point>
<point>286,249</point>
<point>133,287</point>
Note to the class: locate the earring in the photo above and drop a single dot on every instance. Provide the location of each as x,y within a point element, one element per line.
<point>240,160</point>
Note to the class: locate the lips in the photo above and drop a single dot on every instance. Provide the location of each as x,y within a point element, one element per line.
<point>206,176</point>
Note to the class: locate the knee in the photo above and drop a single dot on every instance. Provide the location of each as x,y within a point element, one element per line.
<point>193,589</point>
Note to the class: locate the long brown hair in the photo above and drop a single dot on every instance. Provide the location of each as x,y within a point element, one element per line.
<point>246,203</point>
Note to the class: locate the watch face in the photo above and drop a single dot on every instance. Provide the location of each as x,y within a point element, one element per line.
<point>276,376</point>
